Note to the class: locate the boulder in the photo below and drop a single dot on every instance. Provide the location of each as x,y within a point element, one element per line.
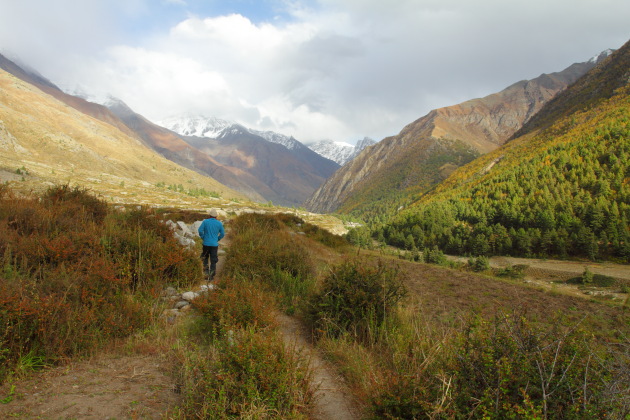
<point>189,296</point>
<point>181,304</point>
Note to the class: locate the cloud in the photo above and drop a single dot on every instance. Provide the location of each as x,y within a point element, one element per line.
<point>338,69</point>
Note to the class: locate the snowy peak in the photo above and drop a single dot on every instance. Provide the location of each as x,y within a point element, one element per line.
<point>336,151</point>
<point>273,137</point>
<point>196,125</point>
<point>340,152</point>
<point>212,127</point>
<point>599,57</point>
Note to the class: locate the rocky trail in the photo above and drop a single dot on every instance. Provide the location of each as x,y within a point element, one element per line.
<point>139,384</point>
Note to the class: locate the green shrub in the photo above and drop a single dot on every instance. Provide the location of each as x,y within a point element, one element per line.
<point>434,256</point>
<point>510,366</point>
<point>234,304</point>
<point>478,264</point>
<point>516,271</point>
<point>355,298</point>
<point>588,278</point>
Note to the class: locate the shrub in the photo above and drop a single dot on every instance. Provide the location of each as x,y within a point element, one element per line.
<point>478,264</point>
<point>434,256</point>
<point>75,276</point>
<point>249,375</point>
<point>510,366</point>
<point>516,271</point>
<point>261,246</point>
<point>355,298</point>
<point>235,304</point>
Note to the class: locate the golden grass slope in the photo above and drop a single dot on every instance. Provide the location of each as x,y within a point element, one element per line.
<point>43,142</point>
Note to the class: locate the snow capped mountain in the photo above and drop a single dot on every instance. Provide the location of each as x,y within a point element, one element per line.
<point>599,57</point>
<point>212,127</point>
<point>340,152</point>
<point>273,137</point>
<point>196,125</point>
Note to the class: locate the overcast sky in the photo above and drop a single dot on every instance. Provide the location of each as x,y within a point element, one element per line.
<point>314,69</point>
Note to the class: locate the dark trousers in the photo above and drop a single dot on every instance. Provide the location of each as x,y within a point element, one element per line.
<point>213,253</point>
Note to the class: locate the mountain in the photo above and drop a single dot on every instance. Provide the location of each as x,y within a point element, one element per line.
<point>340,152</point>
<point>278,167</point>
<point>284,176</point>
<point>399,168</point>
<point>44,142</point>
<point>195,125</point>
<point>560,187</point>
<point>175,148</point>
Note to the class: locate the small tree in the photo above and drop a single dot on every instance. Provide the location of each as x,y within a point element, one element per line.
<point>587,276</point>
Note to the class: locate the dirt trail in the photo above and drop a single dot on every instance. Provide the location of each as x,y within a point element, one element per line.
<point>114,386</point>
<point>332,399</point>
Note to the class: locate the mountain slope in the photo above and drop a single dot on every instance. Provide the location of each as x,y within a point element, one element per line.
<point>561,189</point>
<point>425,152</point>
<point>94,110</point>
<point>47,142</point>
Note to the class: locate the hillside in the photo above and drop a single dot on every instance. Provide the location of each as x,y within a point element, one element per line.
<point>44,141</point>
<point>389,175</point>
<point>562,189</point>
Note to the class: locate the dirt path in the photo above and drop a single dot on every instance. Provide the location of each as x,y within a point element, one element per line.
<point>332,399</point>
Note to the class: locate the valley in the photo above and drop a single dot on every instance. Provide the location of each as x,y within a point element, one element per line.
<point>475,265</point>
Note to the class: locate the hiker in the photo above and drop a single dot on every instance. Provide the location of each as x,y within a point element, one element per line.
<point>211,231</point>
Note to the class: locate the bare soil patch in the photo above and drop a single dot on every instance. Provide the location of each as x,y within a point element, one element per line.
<point>106,387</point>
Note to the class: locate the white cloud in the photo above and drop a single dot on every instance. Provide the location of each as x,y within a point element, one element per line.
<point>340,69</point>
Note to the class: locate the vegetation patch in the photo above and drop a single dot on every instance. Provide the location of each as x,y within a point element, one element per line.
<point>77,275</point>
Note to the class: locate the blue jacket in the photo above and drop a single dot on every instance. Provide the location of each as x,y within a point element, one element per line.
<point>211,231</point>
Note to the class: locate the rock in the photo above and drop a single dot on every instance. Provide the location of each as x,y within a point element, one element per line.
<point>185,230</point>
<point>169,291</point>
<point>207,287</point>
<point>181,304</point>
<point>189,296</point>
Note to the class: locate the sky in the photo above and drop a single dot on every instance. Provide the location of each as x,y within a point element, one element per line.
<point>313,69</point>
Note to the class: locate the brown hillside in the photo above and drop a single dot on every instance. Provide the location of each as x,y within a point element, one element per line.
<point>47,141</point>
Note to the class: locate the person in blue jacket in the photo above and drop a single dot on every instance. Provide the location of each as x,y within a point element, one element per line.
<point>211,231</point>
